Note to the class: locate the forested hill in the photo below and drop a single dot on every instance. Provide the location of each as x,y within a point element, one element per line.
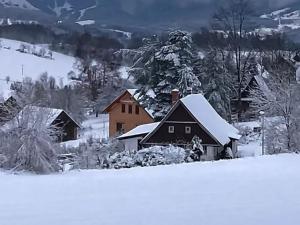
<point>134,13</point>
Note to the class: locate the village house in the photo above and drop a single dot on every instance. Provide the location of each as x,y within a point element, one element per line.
<point>64,127</point>
<point>126,113</point>
<point>246,110</point>
<point>189,117</point>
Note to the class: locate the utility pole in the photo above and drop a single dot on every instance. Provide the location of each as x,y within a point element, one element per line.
<point>22,71</point>
<point>262,113</point>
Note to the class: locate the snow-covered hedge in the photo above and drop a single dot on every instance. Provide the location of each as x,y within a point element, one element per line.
<point>153,156</point>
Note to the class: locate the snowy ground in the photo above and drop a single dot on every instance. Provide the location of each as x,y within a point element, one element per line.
<point>97,128</point>
<point>13,62</point>
<point>251,145</point>
<point>252,191</point>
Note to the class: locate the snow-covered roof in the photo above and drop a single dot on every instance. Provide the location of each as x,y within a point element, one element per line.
<point>5,93</point>
<point>140,130</point>
<point>48,114</point>
<point>205,114</point>
<point>35,116</point>
<point>262,85</point>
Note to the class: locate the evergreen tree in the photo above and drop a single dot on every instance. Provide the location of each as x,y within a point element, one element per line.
<point>167,67</point>
<point>217,82</point>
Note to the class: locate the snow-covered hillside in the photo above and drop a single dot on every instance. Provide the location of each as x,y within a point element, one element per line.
<point>252,191</point>
<point>17,65</point>
<point>23,4</point>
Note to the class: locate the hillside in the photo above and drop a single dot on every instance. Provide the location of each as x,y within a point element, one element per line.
<point>17,65</point>
<point>251,191</point>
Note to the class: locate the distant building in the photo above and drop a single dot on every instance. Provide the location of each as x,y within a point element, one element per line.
<point>189,117</point>
<point>245,111</point>
<point>57,119</point>
<point>126,113</point>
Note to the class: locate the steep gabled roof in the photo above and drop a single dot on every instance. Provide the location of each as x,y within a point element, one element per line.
<point>261,85</point>
<point>136,96</point>
<point>199,108</point>
<point>206,115</point>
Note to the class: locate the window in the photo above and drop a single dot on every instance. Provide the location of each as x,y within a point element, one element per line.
<point>120,128</point>
<point>123,108</point>
<point>137,110</point>
<point>171,129</point>
<point>188,130</point>
<point>130,109</point>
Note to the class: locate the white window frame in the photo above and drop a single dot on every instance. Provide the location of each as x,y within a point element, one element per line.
<point>188,129</point>
<point>171,129</point>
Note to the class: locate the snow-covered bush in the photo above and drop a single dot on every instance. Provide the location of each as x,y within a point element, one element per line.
<point>152,156</point>
<point>94,154</point>
<point>158,155</point>
<point>123,159</point>
<point>36,154</point>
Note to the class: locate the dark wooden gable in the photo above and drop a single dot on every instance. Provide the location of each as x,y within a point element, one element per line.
<point>9,109</point>
<point>180,117</point>
<point>67,125</point>
<point>180,114</point>
<point>252,85</point>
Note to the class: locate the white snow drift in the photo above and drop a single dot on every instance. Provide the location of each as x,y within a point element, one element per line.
<point>252,191</point>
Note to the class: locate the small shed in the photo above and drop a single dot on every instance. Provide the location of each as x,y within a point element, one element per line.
<point>132,139</point>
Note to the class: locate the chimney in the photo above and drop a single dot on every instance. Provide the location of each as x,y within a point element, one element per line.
<point>175,96</point>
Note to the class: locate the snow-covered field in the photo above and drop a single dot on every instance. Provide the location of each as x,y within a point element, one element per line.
<point>17,65</point>
<point>251,191</point>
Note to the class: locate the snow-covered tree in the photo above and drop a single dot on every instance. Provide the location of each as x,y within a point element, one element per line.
<point>166,67</point>
<point>281,99</point>
<point>217,82</point>
<point>28,141</point>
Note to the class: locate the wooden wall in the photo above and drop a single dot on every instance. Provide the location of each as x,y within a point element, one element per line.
<point>128,120</point>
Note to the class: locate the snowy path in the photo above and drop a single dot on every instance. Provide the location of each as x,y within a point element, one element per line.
<point>251,191</point>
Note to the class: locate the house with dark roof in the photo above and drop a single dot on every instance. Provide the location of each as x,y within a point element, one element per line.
<point>189,117</point>
<point>245,110</point>
<point>126,113</point>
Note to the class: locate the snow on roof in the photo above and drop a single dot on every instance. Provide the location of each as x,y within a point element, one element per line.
<point>262,85</point>
<point>48,114</point>
<point>5,92</point>
<point>140,130</point>
<point>33,117</point>
<point>200,108</point>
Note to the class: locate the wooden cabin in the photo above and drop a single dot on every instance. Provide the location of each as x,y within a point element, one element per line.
<point>246,111</point>
<point>189,117</point>
<point>126,113</point>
